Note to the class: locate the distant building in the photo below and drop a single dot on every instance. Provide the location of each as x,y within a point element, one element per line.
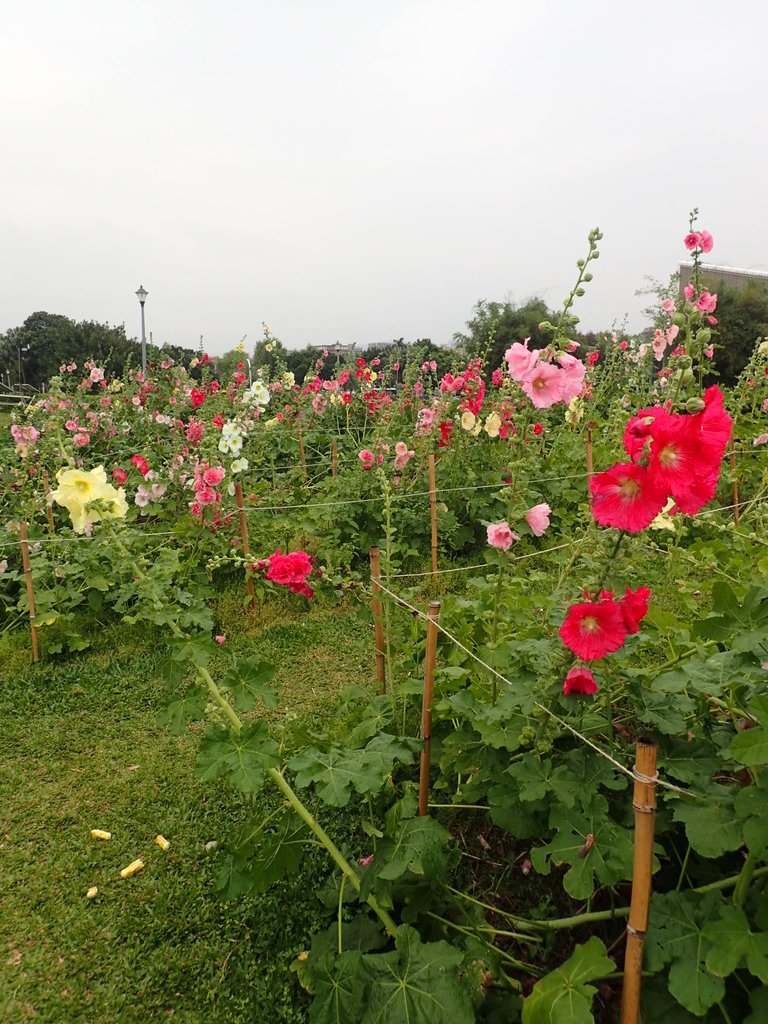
<point>713,276</point>
<point>336,350</point>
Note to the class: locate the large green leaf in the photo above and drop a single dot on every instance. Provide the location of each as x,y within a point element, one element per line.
<point>340,986</point>
<point>606,859</point>
<point>676,937</point>
<point>241,758</point>
<point>247,680</point>
<point>417,983</point>
<point>750,747</point>
<point>712,824</point>
<point>418,847</point>
<point>564,997</point>
<point>733,942</point>
<point>190,707</point>
<point>336,772</point>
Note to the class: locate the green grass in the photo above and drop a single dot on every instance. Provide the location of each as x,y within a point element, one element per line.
<point>80,749</point>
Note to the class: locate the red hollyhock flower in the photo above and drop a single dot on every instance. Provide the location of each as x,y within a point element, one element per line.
<point>593,629</point>
<point>626,496</point>
<point>634,607</point>
<point>140,463</point>
<point>119,475</point>
<point>580,680</point>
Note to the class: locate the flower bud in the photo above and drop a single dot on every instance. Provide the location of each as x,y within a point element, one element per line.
<point>679,319</point>
<point>687,375</point>
<point>596,255</point>
<point>694,405</point>
<point>684,362</point>
<point>704,336</point>
<point>579,292</point>
<point>587,276</point>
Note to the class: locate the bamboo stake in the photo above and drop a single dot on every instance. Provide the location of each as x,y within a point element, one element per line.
<point>244,538</point>
<point>48,509</point>
<point>30,589</point>
<point>333,458</point>
<point>644,803</point>
<point>433,509</point>
<point>301,448</point>
<point>590,466</point>
<point>378,619</point>
<point>736,516</point>
<point>426,707</point>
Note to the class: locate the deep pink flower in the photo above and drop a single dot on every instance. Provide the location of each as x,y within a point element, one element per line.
<point>119,475</point>
<point>593,629</point>
<point>140,463</point>
<point>689,291</point>
<point>634,607</point>
<point>537,518</point>
<point>626,496</point>
<point>706,303</point>
<point>579,680</point>
<point>213,475</point>
<point>692,240</point>
<point>705,241</point>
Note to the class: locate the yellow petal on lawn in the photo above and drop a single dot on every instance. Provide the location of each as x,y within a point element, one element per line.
<point>92,893</point>
<point>99,833</point>
<point>133,867</point>
<point>162,842</point>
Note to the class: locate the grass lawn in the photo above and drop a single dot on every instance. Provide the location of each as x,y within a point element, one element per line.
<point>80,749</point>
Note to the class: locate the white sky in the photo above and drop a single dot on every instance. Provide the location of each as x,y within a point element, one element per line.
<point>360,171</point>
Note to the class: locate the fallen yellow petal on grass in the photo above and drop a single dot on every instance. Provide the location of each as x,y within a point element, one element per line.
<point>92,893</point>
<point>99,833</point>
<point>162,842</point>
<point>133,867</point>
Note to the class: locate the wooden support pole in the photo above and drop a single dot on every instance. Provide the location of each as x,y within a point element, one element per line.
<point>426,706</point>
<point>736,516</point>
<point>378,619</point>
<point>302,457</point>
<point>590,466</point>
<point>30,589</point>
<point>48,509</point>
<point>333,458</point>
<point>244,539</point>
<point>644,803</point>
<point>433,509</point>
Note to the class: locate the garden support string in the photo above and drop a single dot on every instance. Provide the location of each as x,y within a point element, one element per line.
<point>644,804</point>
<point>426,706</point>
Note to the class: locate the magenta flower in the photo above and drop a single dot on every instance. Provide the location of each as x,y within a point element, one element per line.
<point>705,241</point>
<point>692,240</point>
<point>579,680</point>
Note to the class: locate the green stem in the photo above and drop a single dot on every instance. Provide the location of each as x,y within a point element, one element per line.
<point>335,854</point>
<point>683,866</point>
<point>220,699</point>
<point>341,904</point>
<point>745,879</point>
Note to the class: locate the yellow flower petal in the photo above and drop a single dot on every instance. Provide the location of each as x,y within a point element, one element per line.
<point>162,842</point>
<point>99,833</point>
<point>133,867</point>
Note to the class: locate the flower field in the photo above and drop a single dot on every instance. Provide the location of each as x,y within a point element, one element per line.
<point>556,713</point>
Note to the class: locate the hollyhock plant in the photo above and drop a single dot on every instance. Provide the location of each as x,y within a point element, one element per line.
<point>291,571</point>
<point>501,536</point>
<point>593,629</point>
<point>580,681</point>
<point>634,607</point>
<point>544,385</point>
<point>537,518</point>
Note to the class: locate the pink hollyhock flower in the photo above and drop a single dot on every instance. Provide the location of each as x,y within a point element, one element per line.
<point>207,495</point>
<point>195,509</point>
<point>709,351</point>
<point>760,439</point>
<point>500,536</point>
<point>689,291</point>
<point>433,365</point>
<point>367,458</point>
<point>81,439</point>
<point>627,497</point>
<point>592,358</point>
<point>213,475</point>
<point>593,629</point>
<point>142,498</point>
<point>497,378</point>
<point>365,862</point>
<point>634,607</point>
<point>580,681</point>
<point>705,241</point>
<point>544,385</point>
<point>537,518</point>
<point>692,240</point>
<point>220,639</point>
<point>520,360</point>
<point>668,306</point>
<point>572,376</point>
<point>706,303</point>
<point>96,375</point>
<point>403,455</point>
<point>119,475</point>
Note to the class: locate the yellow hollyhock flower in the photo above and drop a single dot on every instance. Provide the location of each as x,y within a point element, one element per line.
<point>493,425</point>
<point>468,420</point>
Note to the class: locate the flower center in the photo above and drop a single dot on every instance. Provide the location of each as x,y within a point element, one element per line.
<point>589,624</point>
<point>629,488</point>
<point>669,456</point>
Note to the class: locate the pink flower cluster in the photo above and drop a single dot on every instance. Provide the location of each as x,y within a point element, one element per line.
<point>545,377</point>
<point>206,480</point>
<point>701,240</point>
<point>403,455</point>
<point>291,571</point>
<point>24,438</point>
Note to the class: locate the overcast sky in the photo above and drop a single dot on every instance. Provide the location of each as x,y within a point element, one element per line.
<point>361,171</point>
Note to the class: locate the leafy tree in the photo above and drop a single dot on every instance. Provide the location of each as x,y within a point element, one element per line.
<point>742,318</point>
<point>495,326</point>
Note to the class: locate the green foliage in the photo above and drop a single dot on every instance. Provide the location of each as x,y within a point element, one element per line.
<point>564,996</point>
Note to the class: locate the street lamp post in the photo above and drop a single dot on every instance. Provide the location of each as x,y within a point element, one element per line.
<point>142,296</point>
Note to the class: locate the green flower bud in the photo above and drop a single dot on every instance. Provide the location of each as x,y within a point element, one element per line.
<point>579,264</point>
<point>579,292</point>
<point>687,376</point>
<point>694,405</point>
<point>679,319</point>
<point>596,255</point>
<point>704,336</point>
<point>572,319</point>
<point>587,276</point>
<point>684,362</point>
